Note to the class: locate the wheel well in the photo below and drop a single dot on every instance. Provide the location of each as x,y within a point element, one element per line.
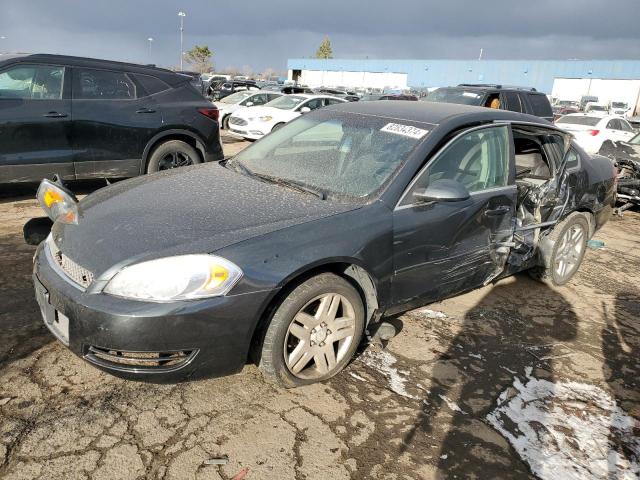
<point>591,219</point>
<point>357,276</point>
<point>189,140</point>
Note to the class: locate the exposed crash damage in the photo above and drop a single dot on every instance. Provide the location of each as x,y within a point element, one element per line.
<point>626,155</point>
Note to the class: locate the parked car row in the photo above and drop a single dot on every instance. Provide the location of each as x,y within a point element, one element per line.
<point>590,104</point>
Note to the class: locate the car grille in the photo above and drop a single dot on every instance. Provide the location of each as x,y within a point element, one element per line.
<point>139,361</point>
<point>75,272</point>
<point>237,121</point>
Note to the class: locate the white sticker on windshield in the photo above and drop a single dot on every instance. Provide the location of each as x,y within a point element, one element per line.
<point>470,94</point>
<point>406,130</point>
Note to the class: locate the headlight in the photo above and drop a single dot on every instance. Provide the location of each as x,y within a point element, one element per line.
<point>58,203</point>
<point>266,118</point>
<point>183,277</point>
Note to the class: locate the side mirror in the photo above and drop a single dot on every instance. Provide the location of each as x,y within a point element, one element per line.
<point>442,191</point>
<point>248,104</point>
<point>305,110</point>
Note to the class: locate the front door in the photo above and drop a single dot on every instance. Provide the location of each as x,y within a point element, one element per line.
<point>443,248</point>
<point>112,123</point>
<point>35,123</point>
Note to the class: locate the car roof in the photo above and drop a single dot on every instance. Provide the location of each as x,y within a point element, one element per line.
<point>434,112</point>
<point>495,88</point>
<point>168,76</point>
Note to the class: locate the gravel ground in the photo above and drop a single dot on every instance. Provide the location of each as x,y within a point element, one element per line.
<point>514,380</point>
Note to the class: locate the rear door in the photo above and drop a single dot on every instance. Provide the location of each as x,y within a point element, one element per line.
<point>443,248</point>
<point>113,119</point>
<point>511,101</point>
<point>538,105</point>
<point>621,131</point>
<point>35,123</point>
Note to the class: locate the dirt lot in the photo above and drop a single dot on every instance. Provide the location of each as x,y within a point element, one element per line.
<point>515,380</point>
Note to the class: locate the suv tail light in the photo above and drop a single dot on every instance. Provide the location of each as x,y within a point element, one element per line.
<point>593,133</point>
<point>212,113</point>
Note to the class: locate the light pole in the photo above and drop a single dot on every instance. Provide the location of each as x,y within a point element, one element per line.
<point>150,39</point>
<point>181,14</point>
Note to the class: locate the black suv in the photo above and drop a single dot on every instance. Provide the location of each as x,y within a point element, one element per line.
<point>85,118</point>
<point>516,99</point>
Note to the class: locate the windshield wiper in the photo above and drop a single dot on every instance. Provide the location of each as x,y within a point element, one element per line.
<point>301,187</point>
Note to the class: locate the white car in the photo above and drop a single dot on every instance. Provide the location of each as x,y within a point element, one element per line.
<point>596,108</point>
<point>618,108</point>
<point>254,123</point>
<point>246,98</point>
<point>590,131</point>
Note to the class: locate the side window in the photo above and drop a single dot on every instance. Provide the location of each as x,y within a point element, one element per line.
<point>151,85</point>
<point>36,82</point>
<point>624,125</point>
<point>540,105</point>
<point>331,101</point>
<point>312,104</point>
<point>613,124</point>
<point>573,159</point>
<point>512,100</point>
<point>478,159</point>
<point>102,85</point>
<point>260,99</point>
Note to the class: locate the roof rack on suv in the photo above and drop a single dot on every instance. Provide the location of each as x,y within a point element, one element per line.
<point>493,85</point>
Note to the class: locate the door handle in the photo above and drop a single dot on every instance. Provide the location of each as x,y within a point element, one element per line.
<point>501,210</point>
<point>55,115</point>
<point>146,110</point>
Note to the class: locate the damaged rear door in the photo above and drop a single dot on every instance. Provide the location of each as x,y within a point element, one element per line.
<point>444,247</point>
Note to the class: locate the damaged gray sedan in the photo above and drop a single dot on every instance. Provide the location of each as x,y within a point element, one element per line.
<point>289,251</point>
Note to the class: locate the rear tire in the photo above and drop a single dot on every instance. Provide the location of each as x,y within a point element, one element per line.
<point>569,239</point>
<point>172,154</point>
<point>225,122</point>
<point>314,332</point>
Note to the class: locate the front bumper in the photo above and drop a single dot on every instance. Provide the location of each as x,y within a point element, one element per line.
<point>158,342</point>
<point>252,131</point>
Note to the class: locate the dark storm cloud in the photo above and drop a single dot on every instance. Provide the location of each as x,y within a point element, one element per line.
<point>266,33</point>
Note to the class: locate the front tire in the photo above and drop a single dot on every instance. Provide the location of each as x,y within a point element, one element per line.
<point>314,332</point>
<point>569,239</point>
<point>172,154</point>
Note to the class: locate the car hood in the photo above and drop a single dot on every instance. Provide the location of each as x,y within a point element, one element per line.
<point>197,209</point>
<point>252,112</point>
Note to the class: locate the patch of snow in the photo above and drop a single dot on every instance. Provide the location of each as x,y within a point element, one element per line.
<point>357,377</point>
<point>512,372</point>
<point>568,430</point>
<point>452,405</point>
<point>384,362</point>
<point>476,355</point>
<point>432,313</point>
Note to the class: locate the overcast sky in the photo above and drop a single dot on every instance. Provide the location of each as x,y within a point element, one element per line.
<point>265,33</point>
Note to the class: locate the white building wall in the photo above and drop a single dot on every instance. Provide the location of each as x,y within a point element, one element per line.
<point>327,78</point>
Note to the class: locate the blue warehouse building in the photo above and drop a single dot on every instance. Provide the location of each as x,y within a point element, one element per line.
<point>539,74</point>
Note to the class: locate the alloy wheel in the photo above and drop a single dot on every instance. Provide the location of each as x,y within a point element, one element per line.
<point>569,252</point>
<point>319,336</point>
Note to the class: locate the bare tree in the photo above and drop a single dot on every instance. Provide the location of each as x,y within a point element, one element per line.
<point>200,58</point>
